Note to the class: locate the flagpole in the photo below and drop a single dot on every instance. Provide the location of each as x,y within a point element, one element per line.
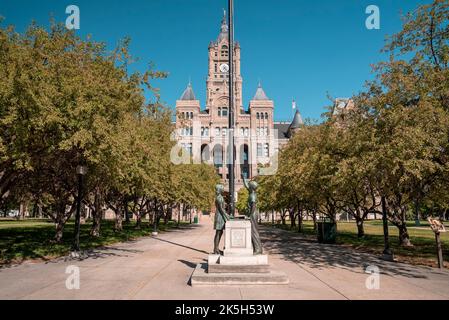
<point>231,165</point>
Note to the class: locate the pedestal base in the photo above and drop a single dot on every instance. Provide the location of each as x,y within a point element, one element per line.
<point>201,277</point>
<point>238,265</point>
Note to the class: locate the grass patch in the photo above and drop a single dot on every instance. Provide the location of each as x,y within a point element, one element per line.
<point>31,239</point>
<point>423,251</point>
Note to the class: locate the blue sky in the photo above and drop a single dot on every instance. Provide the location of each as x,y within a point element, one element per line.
<point>299,49</point>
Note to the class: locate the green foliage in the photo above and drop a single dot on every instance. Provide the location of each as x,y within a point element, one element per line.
<point>65,101</point>
<point>392,144</point>
<point>242,202</point>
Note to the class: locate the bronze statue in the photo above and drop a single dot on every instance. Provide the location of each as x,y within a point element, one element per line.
<point>253,214</point>
<point>220,217</point>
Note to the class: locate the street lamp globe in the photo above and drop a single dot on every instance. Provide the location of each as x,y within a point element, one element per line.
<point>82,170</point>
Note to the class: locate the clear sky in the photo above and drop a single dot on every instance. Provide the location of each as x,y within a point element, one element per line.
<point>299,49</point>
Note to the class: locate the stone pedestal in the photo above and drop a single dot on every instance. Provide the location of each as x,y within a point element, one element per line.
<point>238,238</point>
<point>238,265</point>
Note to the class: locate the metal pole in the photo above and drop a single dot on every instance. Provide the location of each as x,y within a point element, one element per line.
<point>76,245</point>
<point>231,165</point>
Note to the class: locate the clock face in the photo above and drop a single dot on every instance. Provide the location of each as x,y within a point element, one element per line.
<point>224,68</point>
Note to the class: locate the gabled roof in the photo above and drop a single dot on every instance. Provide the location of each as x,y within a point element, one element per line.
<point>188,93</point>
<point>260,94</point>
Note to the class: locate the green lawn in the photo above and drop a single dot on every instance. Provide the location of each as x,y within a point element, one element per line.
<point>31,239</point>
<point>422,238</point>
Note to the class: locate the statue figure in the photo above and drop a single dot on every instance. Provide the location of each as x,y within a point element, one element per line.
<point>251,186</point>
<point>220,217</point>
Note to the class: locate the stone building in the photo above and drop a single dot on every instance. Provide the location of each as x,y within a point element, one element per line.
<point>203,132</point>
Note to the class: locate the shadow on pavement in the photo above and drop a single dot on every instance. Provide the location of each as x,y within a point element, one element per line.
<point>307,251</point>
<point>188,263</point>
<point>180,245</point>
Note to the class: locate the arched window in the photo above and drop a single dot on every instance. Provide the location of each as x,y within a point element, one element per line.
<point>205,153</point>
<point>218,155</point>
<point>257,115</point>
<point>266,115</point>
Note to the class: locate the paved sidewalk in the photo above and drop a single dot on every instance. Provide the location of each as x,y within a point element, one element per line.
<point>160,268</point>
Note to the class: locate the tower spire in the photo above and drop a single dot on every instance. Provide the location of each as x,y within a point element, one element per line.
<point>224,29</point>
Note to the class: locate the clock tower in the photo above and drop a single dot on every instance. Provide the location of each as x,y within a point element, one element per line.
<point>204,132</point>
<point>218,75</point>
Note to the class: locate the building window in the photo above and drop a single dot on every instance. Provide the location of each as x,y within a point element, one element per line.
<point>257,115</point>
<point>218,156</point>
<point>204,131</point>
<point>217,132</point>
<point>187,131</point>
<point>219,111</point>
<point>216,68</point>
<point>266,150</point>
<point>244,132</point>
<point>259,150</point>
<point>266,115</point>
<point>224,112</point>
<point>224,131</point>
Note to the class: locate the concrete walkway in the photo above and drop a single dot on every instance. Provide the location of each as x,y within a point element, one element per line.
<point>160,268</point>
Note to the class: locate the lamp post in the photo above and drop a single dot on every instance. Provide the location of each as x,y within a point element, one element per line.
<point>80,171</point>
<point>231,124</point>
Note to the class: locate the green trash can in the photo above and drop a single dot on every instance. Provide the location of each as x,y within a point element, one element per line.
<point>327,231</point>
<point>195,220</point>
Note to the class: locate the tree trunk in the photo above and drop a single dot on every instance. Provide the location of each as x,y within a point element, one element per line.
<point>360,227</point>
<point>125,205</point>
<point>190,216</point>
<point>404,238</point>
<point>138,220</point>
<point>315,226</point>
<point>291,213</point>
<point>97,215</point>
<point>59,229</point>
<point>167,215</point>
<point>300,220</point>
<point>118,220</point>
